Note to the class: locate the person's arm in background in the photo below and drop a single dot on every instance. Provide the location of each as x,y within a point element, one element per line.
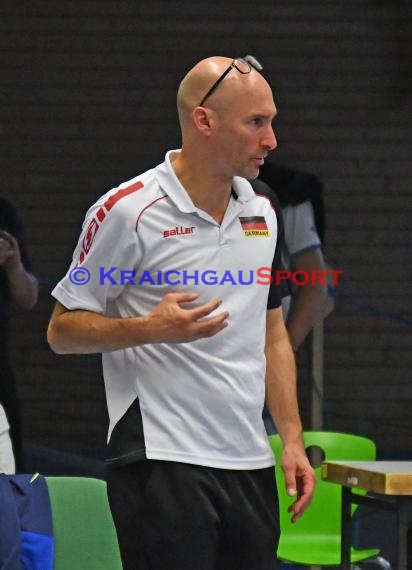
<point>281,400</point>
<point>308,302</point>
<point>303,251</point>
<point>22,284</point>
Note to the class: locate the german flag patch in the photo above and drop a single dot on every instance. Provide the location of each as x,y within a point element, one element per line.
<point>254,226</point>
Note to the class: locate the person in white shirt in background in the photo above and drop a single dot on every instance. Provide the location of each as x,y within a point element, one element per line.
<point>300,196</point>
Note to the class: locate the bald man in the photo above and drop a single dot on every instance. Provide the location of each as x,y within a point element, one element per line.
<point>170,281</point>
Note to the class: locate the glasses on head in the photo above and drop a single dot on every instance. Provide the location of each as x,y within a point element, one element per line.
<point>244,65</point>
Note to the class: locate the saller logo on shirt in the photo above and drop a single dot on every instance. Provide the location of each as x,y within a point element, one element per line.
<point>179,231</point>
<point>254,226</point>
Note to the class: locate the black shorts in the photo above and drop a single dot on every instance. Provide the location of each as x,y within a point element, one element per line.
<point>177,516</point>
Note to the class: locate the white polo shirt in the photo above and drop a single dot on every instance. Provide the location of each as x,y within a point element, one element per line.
<point>199,402</point>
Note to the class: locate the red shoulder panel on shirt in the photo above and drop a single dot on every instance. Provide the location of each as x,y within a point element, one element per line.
<point>100,216</point>
<point>114,198</point>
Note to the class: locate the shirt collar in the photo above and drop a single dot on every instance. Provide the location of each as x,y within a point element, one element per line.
<point>171,184</point>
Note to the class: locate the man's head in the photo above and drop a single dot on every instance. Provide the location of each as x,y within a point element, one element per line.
<point>225,110</point>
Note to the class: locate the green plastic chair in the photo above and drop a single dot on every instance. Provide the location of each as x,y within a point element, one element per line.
<point>84,533</point>
<point>315,539</point>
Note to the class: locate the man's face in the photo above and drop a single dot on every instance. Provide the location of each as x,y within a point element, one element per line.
<point>245,135</point>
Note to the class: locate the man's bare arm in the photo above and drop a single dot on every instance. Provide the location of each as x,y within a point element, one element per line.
<point>281,400</point>
<point>86,332</point>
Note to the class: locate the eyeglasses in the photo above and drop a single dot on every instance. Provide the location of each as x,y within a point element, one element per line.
<point>244,65</point>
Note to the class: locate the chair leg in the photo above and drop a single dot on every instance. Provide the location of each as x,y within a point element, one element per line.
<point>378,561</point>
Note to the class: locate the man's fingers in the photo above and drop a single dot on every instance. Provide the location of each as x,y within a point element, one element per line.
<point>5,236</point>
<point>212,325</point>
<point>299,507</point>
<point>176,323</point>
<point>290,482</point>
<point>205,310</point>
<point>197,312</point>
<point>181,297</point>
<point>305,493</point>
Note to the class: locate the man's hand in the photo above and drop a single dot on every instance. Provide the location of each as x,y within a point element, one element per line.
<point>172,323</point>
<point>300,479</point>
<point>86,332</point>
<point>9,252</point>
<point>22,284</point>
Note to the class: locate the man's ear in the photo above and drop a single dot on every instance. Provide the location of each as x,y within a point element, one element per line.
<point>203,119</point>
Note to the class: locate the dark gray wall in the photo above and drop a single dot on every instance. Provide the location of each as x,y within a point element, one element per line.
<point>87,101</point>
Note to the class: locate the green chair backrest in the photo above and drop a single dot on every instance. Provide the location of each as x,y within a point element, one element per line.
<point>84,533</point>
<point>323,516</point>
